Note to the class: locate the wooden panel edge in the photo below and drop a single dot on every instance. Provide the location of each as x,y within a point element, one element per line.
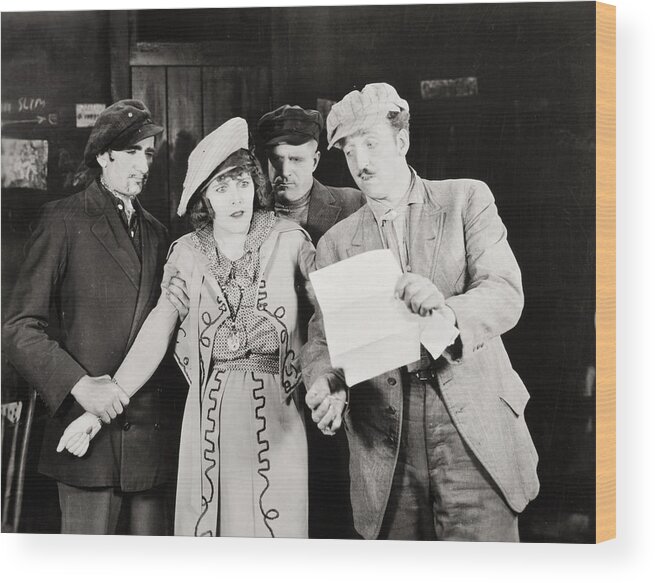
<point>185,54</point>
<point>119,54</point>
<point>605,272</point>
<point>149,85</point>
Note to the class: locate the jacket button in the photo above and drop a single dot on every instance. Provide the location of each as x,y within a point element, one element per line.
<point>391,381</point>
<point>391,410</point>
<point>126,426</point>
<point>157,426</point>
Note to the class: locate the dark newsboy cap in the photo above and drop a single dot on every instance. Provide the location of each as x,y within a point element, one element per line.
<point>122,124</point>
<point>290,124</point>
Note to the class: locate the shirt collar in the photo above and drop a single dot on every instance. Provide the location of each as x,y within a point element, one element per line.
<point>412,195</point>
<point>294,204</point>
<point>116,200</point>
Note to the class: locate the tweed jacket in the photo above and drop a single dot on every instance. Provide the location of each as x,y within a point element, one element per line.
<point>458,241</point>
<point>83,277</point>
<point>328,205</point>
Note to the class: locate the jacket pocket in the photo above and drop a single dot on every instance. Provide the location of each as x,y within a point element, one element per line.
<point>514,394</point>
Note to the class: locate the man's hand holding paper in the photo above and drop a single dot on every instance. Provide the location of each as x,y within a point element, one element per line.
<point>420,295</point>
<point>369,329</point>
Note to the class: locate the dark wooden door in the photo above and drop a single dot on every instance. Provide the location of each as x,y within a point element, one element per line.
<point>189,102</point>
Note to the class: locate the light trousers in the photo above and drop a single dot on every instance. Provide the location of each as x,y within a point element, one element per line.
<point>440,491</point>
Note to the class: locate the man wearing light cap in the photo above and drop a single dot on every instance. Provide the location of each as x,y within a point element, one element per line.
<point>97,258</point>
<point>439,449</point>
<point>290,135</point>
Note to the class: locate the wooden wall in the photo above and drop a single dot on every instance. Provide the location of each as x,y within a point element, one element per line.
<point>190,102</point>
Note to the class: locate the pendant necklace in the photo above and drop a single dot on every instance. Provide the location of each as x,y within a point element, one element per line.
<point>234,339</point>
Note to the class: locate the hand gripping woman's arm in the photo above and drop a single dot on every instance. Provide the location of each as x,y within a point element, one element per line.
<point>155,335</point>
<point>144,356</point>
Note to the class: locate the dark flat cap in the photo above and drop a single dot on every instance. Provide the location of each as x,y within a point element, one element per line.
<point>290,124</point>
<point>122,124</point>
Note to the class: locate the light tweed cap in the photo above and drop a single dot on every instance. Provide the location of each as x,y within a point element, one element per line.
<point>210,153</point>
<point>361,109</point>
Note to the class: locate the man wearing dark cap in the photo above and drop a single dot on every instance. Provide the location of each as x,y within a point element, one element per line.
<point>95,263</point>
<point>290,135</point>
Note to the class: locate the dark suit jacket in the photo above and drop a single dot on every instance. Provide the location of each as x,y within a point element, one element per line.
<point>328,205</point>
<point>330,515</point>
<point>82,268</point>
<point>457,240</point>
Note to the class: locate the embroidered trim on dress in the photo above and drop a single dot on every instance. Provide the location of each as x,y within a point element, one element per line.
<point>210,438</point>
<point>270,514</point>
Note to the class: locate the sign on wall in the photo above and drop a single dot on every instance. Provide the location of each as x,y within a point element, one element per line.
<point>28,112</point>
<point>86,114</point>
<point>439,88</point>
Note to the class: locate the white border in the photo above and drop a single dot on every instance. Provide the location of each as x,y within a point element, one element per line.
<point>630,558</point>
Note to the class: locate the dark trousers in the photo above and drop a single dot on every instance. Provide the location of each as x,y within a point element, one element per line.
<point>330,512</point>
<point>440,491</point>
<point>102,510</point>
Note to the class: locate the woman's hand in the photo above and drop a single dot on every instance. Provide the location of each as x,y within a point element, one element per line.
<point>327,399</point>
<point>328,416</point>
<point>79,433</point>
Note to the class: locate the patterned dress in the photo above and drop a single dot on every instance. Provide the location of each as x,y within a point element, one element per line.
<point>254,446</point>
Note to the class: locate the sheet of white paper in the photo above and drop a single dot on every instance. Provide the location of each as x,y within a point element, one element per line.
<point>368,331</point>
<point>377,358</point>
<point>437,334</point>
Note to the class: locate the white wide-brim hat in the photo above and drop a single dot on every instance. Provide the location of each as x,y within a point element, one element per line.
<point>210,153</point>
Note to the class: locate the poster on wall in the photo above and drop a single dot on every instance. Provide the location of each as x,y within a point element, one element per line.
<point>25,164</point>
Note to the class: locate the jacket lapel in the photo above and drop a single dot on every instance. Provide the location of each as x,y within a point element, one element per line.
<point>426,222</point>
<point>149,252</point>
<point>323,211</point>
<point>367,235</point>
<point>111,234</point>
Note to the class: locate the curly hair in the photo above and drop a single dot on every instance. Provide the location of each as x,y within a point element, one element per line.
<point>201,212</point>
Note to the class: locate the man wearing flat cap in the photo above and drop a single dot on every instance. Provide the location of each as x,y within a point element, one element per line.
<point>93,271</point>
<point>439,449</point>
<point>290,135</point>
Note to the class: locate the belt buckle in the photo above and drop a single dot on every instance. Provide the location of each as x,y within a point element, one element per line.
<point>425,375</point>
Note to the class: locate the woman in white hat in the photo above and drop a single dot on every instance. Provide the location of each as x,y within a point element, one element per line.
<point>243,450</point>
